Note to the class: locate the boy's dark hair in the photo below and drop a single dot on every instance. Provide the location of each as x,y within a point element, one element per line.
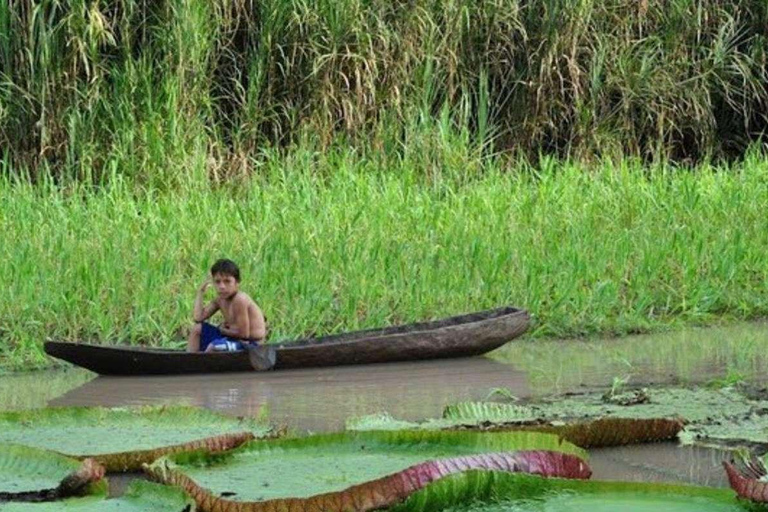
<point>226,267</point>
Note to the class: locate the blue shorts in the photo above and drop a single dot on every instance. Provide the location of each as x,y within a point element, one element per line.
<point>211,335</point>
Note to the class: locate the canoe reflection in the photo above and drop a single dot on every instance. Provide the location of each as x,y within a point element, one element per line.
<point>318,399</point>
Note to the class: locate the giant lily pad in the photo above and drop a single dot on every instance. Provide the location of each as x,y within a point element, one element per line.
<point>140,496</point>
<point>503,492</point>
<point>749,478</point>
<point>123,439</point>
<point>336,463</point>
<point>34,474</point>
<point>712,417</point>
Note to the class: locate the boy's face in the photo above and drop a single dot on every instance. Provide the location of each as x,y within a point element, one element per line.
<point>225,284</point>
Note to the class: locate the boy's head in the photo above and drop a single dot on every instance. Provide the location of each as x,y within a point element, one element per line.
<point>226,277</point>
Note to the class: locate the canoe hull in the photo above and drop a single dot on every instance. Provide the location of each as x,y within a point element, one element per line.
<point>460,336</point>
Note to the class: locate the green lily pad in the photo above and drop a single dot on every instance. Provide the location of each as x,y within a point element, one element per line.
<point>694,405</point>
<point>723,417</point>
<point>26,469</point>
<point>81,431</point>
<point>140,496</point>
<point>486,491</point>
<point>303,467</point>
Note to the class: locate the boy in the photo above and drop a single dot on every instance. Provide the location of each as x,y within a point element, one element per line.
<point>243,320</point>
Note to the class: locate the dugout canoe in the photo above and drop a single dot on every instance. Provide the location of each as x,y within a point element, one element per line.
<point>458,336</point>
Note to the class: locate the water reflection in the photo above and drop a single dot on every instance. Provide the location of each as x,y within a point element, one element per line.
<point>691,356</point>
<point>660,462</point>
<point>321,399</point>
<point>314,399</point>
<point>33,390</point>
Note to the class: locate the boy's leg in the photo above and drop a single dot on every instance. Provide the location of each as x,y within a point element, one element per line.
<point>193,342</point>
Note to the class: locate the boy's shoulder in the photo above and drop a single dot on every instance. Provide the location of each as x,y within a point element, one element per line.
<point>244,298</point>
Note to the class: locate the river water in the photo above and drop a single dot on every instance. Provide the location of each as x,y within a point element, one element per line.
<point>316,400</point>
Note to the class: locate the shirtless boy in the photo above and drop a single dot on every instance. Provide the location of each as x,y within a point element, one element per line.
<point>243,320</point>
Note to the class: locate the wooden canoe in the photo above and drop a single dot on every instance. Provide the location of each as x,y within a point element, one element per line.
<point>458,336</point>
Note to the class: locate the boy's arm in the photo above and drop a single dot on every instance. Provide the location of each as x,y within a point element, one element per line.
<point>200,313</point>
<point>240,327</point>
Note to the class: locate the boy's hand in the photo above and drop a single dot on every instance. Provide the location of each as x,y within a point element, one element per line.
<point>205,284</point>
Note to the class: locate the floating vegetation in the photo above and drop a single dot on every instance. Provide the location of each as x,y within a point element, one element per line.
<point>123,439</point>
<point>725,417</point>
<point>388,490</point>
<point>32,474</point>
<point>303,468</point>
<point>140,496</point>
<point>134,460</point>
<point>749,478</point>
<point>477,491</point>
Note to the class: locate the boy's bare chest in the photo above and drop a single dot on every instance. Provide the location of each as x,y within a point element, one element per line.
<point>226,309</point>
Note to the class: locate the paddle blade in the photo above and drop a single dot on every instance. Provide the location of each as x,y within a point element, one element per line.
<point>262,357</point>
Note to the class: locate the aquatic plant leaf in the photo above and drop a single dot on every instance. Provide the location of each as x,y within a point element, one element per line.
<point>489,491</point>
<point>140,496</point>
<point>601,432</point>
<point>748,479</point>
<point>381,421</point>
<point>133,460</point>
<point>32,474</point>
<point>747,430</point>
<point>388,490</point>
<point>712,417</point>
<point>312,465</point>
<point>492,412</point>
<point>692,405</point>
<point>142,431</point>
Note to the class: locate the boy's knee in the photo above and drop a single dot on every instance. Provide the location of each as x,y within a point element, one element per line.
<point>197,328</point>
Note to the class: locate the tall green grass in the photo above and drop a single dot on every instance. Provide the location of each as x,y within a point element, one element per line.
<point>158,90</point>
<point>332,241</point>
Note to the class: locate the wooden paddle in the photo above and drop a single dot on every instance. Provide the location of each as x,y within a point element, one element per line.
<point>263,357</point>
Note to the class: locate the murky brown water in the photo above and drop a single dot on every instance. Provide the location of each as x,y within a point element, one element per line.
<point>313,399</point>
<point>322,399</point>
<point>660,462</point>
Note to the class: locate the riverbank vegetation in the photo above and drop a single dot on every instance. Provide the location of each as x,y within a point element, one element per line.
<point>601,164</point>
<point>331,242</point>
<point>158,90</point>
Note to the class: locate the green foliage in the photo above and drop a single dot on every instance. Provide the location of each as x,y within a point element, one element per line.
<point>731,378</point>
<point>26,469</point>
<point>312,465</point>
<point>140,496</point>
<point>334,242</point>
<point>719,417</point>
<point>167,90</point>
<point>500,492</point>
<point>96,430</point>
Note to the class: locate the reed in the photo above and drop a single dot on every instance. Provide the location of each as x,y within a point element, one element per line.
<point>162,90</point>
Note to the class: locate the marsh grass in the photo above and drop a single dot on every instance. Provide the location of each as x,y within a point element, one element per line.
<point>332,242</point>
<point>164,90</point>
